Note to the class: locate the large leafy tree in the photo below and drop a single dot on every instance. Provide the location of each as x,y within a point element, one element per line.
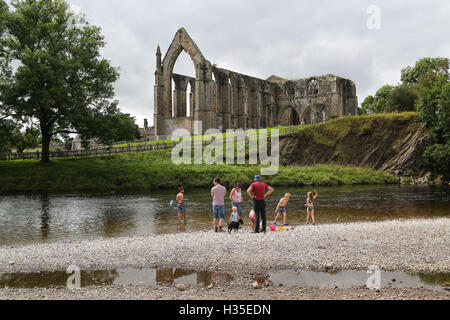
<point>438,66</point>
<point>61,81</point>
<point>7,125</point>
<point>434,109</point>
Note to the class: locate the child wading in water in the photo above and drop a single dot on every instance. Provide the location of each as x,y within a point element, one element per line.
<point>181,208</point>
<point>281,209</point>
<point>310,206</point>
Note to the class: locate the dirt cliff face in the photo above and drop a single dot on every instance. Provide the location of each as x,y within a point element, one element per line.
<point>393,142</point>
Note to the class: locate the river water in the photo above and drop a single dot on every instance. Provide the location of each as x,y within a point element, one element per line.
<point>38,218</point>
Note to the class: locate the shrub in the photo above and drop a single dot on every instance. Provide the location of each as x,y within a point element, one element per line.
<point>437,159</point>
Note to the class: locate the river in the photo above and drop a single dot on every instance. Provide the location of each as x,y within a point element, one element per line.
<point>26,219</point>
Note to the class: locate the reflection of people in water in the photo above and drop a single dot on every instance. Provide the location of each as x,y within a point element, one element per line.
<point>168,276</point>
<point>45,216</point>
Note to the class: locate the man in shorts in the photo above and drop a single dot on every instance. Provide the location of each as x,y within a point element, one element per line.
<point>218,193</point>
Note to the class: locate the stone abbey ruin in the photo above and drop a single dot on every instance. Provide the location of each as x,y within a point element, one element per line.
<point>224,99</point>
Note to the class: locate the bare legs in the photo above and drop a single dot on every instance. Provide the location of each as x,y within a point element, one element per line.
<point>218,223</point>
<point>310,214</point>
<point>180,217</point>
<point>284,218</point>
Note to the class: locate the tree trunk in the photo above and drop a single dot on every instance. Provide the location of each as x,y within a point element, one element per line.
<point>45,147</point>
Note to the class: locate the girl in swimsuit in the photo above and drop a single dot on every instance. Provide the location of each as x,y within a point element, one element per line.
<point>310,206</point>
<point>180,205</point>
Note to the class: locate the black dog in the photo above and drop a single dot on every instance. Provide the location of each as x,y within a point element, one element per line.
<point>235,225</point>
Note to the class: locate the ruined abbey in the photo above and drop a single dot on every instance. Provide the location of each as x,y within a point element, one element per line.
<point>224,99</point>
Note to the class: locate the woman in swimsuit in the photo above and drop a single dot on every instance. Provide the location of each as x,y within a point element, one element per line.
<point>310,206</point>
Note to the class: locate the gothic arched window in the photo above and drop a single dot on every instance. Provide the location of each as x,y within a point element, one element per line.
<point>313,88</point>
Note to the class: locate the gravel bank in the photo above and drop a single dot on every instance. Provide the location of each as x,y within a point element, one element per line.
<point>406,246</point>
<point>229,292</point>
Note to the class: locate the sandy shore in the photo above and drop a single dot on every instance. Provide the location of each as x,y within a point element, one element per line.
<point>407,246</point>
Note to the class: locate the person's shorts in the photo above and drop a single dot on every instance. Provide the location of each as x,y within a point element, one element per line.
<point>281,210</point>
<point>238,205</point>
<point>181,208</point>
<point>310,208</point>
<point>219,212</point>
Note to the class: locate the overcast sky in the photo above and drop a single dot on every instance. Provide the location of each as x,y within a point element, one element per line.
<point>289,38</point>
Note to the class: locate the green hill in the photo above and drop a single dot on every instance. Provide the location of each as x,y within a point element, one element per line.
<point>354,150</point>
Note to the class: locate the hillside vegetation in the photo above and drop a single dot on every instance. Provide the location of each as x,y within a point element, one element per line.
<point>354,150</point>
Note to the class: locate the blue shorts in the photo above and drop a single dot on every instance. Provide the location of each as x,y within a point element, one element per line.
<point>219,211</point>
<point>238,205</point>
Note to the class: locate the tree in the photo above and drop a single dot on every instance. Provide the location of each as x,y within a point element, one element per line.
<point>401,99</point>
<point>7,125</point>
<point>23,140</point>
<point>438,66</point>
<point>61,80</point>
<point>437,159</point>
<point>113,125</point>
<point>379,103</point>
<point>434,109</point>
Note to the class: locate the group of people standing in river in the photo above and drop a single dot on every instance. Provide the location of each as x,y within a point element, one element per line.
<point>258,192</point>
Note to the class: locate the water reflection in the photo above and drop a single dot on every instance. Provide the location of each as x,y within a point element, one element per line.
<point>170,277</point>
<point>115,277</point>
<point>26,219</point>
<point>117,221</point>
<point>45,216</point>
<point>56,279</point>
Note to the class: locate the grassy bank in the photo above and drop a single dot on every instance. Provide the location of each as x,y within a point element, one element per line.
<point>154,170</point>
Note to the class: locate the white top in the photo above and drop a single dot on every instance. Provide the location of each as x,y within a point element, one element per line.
<point>237,196</point>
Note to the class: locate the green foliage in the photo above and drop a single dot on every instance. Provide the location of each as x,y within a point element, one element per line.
<point>437,159</point>
<point>23,140</point>
<point>154,170</point>
<point>113,126</point>
<point>402,98</point>
<point>61,81</point>
<point>438,66</point>
<point>379,103</point>
<point>434,109</point>
<point>7,126</point>
<point>391,99</point>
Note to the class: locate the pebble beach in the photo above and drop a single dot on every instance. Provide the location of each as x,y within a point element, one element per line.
<point>417,246</point>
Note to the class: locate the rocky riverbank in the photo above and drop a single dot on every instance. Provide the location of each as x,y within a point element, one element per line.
<point>231,291</point>
<point>406,246</point>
